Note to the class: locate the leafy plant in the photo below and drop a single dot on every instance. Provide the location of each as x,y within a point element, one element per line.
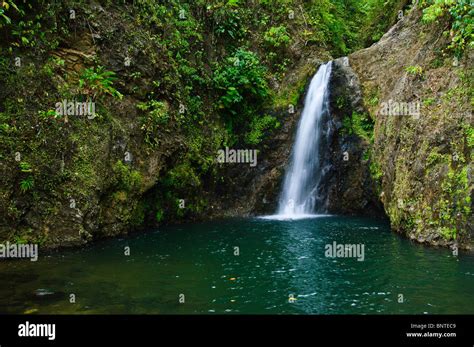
<point>277,37</point>
<point>157,110</point>
<point>258,128</point>
<point>375,171</point>
<point>415,70</point>
<point>52,65</point>
<point>228,22</point>
<point>455,203</point>
<point>5,6</point>
<point>26,184</point>
<point>97,82</point>
<point>469,131</point>
<point>157,115</point>
<point>25,167</point>
<point>242,85</point>
<point>48,114</point>
<point>460,13</point>
<point>359,124</point>
<point>429,101</point>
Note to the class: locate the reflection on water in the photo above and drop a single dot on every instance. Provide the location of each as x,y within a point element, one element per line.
<point>277,260</point>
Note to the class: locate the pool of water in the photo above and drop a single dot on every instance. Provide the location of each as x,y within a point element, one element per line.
<point>249,266</point>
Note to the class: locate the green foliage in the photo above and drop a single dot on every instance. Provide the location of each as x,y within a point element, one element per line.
<point>126,178</point>
<point>23,236</point>
<point>258,128</point>
<point>243,88</point>
<point>375,170</point>
<point>374,97</point>
<point>20,239</point>
<point>451,211</point>
<point>25,167</point>
<point>448,233</point>
<point>30,24</point>
<point>435,157</point>
<point>185,180</point>
<point>26,184</point>
<point>5,7</point>
<point>277,37</point>
<point>26,33</point>
<point>228,21</point>
<point>181,176</point>
<point>159,215</point>
<point>469,132</point>
<point>157,116</point>
<point>97,81</point>
<point>53,65</point>
<point>292,94</point>
<point>455,203</point>
<point>359,124</point>
<point>138,215</point>
<point>460,14</point>
<point>376,17</point>
<point>346,25</point>
<point>429,101</point>
<point>48,114</point>
<point>415,70</point>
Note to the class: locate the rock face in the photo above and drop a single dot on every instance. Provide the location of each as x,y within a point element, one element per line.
<point>400,138</point>
<point>90,189</point>
<point>255,191</point>
<point>351,189</point>
<point>417,169</point>
<point>75,179</point>
<point>422,151</point>
<point>346,178</point>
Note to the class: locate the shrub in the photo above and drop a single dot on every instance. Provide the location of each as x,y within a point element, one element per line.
<point>277,37</point>
<point>97,82</point>
<point>243,88</point>
<point>27,184</point>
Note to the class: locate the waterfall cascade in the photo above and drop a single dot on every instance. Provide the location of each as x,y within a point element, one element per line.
<point>301,195</point>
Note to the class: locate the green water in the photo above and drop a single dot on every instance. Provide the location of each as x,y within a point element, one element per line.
<point>276,259</point>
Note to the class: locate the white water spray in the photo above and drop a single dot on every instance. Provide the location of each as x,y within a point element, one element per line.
<point>300,196</point>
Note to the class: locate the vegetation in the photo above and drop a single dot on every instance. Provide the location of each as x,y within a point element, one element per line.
<point>6,5</point>
<point>157,116</point>
<point>414,70</point>
<point>176,81</point>
<point>460,15</point>
<point>277,37</point>
<point>359,124</point>
<point>96,81</point>
<point>243,89</point>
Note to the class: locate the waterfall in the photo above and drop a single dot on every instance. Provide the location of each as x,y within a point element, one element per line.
<point>301,194</point>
